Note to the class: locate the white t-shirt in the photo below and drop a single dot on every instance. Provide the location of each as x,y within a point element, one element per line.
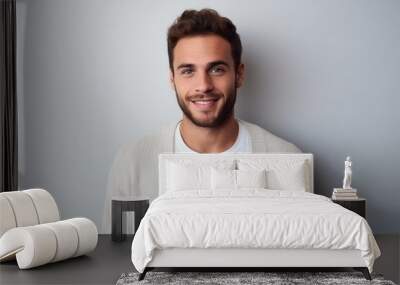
<point>242,143</point>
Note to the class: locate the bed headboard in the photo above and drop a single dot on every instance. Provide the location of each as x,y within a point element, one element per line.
<point>237,158</point>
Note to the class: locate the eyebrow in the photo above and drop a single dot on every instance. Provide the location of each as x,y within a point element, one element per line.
<point>209,65</point>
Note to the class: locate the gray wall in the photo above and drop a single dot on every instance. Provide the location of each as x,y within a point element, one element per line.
<point>322,74</point>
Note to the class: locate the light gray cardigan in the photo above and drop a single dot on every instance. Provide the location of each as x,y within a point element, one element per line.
<point>134,172</point>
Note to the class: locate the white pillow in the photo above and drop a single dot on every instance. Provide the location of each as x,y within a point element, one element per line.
<point>288,179</point>
<point>181,177</point>
<point>281,174</point>
<point>237,179</point>
<point>188,175</point>
<point>223,179</point>
<point>255,178</point>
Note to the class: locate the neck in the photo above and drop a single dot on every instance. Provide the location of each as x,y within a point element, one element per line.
<point>209,140</point>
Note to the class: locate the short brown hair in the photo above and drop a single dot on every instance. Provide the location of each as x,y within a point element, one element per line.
<point>203,22</point>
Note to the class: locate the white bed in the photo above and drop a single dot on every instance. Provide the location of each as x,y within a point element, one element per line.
<point>201,220</point>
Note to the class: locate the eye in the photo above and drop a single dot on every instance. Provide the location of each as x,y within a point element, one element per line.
<point>217,70</point>
<point>186,71</point>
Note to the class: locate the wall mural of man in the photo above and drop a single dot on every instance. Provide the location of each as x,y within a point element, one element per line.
<point>204,52</point>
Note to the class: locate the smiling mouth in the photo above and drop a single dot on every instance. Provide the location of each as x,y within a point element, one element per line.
<point>204,104</point>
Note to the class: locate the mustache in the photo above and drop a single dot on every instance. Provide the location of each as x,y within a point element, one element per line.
<point>210,96</point>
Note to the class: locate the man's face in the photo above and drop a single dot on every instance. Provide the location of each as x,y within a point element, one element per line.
<point>205,80</point>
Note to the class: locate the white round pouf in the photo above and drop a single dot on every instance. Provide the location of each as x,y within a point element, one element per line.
<point>40,244</point>
<point>33,246</point>
<point>46,207</point>
<point>87,233</point>
<point>7,216</point>
<point>67,239</point>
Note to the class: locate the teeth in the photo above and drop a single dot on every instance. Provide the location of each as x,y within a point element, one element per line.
<point>203,102</point>
<point>209,100</point>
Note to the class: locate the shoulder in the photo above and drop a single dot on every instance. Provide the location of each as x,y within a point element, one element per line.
<point>160,140</point>
<point>265,141</point>
<point>151,143</point>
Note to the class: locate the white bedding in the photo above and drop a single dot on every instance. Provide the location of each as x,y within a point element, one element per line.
<point>250,218</point>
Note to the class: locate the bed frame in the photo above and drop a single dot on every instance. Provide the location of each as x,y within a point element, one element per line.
<point>243,259</point>
<point>240,259</point>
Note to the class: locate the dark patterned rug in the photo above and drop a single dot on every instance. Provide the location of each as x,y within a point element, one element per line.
<point>229,278</point>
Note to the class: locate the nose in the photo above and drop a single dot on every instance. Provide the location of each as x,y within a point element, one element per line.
<point>204,83</point>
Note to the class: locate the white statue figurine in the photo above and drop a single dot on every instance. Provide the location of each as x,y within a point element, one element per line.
<point>347,174</point>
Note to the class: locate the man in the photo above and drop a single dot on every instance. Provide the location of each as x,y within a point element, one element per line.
<point>204,52</point>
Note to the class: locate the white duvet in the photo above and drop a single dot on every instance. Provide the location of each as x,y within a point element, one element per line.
<point>251,218</point>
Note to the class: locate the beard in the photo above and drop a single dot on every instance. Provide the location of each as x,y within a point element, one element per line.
<point>223,115</point>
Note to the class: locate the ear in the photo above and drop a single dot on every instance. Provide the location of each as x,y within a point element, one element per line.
<point>240,75</point>
<point>171,79</point>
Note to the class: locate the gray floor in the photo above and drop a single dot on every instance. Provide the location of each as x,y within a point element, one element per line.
<point>389,262</point>
<point>110,259</point>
